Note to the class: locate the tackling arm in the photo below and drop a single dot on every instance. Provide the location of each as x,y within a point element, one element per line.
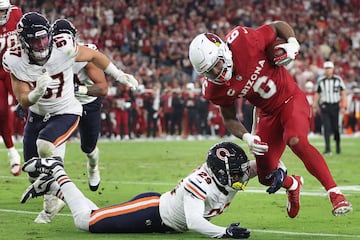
<point>86,54</point>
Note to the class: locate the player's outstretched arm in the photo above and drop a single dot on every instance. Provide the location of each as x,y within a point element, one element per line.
<point>86,54</point>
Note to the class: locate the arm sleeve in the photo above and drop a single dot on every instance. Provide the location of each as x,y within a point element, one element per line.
<point>194,209</point>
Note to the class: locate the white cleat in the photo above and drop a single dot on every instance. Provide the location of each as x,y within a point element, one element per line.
<point>52,205</point>
<point>94,177</point>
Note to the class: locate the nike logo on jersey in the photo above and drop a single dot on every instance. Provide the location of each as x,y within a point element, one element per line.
<point>287,100</point>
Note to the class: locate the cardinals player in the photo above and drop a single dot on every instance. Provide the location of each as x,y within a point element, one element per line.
<point>9,17</point>
<point>240,68</point>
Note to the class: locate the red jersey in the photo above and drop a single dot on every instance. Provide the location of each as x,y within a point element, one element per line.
<point>8,34</point>
<point>254,78</point>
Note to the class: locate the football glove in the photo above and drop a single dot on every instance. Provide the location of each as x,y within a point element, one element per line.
<point>20,112</point>
<point>234,231</point>
<point>291,50</point>
<point>278,177</point>
<point>40,89</point>
<point>128,80</point>
<point>255,145</point>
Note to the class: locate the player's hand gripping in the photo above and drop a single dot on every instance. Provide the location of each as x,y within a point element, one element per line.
<point>278,177</point>
<point>128,80</point>
<point>20,112</point>
<point>40,89</point>
<point>235,231</point>
<point>291,50</point>
<point>255,145</point>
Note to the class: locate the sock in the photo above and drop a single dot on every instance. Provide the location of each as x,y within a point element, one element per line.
<point>93,157</point>
<point>294,185</point>
<point>74,198</point>
<point>335,190</point>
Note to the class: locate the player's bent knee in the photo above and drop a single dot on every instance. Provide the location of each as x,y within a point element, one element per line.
<point>45,148</point>
<point>81,220</point>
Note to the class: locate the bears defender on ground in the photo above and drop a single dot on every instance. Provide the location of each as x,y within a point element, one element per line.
<point>42,79</point>
<point>9,17</point>
<point>90,87</point>
<point>238,68</point>
<point>202,195</point>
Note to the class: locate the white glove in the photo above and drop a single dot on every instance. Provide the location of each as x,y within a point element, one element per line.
<point>40,89</point>
<point>255,145</point>
<point>128,80</point>
<point>291,49</point>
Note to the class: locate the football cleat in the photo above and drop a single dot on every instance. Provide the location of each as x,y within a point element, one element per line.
<point>293,202</point>
<point>41,186</point>
<point>340,205</point>
<point>43,165</point>
<point>52,205</point>
<point>94,177</point>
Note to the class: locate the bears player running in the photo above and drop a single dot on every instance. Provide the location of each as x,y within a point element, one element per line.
<point>9,17</point>
<point>205,193</point>
<point>240,68</point>
<point>90,87</point>
<point>42,79</point>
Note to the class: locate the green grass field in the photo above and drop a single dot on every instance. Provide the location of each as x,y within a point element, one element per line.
<point>128,168</point>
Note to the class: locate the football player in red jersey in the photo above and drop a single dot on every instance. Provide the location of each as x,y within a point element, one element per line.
<point>9,17</point>
<point>240,68</point>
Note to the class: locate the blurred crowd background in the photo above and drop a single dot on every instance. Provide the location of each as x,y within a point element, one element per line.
<point>150,40</point>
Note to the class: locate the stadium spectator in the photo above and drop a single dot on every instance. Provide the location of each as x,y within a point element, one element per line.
<point>202,195</point>
<point>269,86</point>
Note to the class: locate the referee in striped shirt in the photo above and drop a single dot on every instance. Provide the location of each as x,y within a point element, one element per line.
<point>330,97</point>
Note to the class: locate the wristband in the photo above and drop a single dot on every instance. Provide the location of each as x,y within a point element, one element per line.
<point>246,136</point>
<point>33,96</point>
<point>294,41</point>
<point>113,71</point>
<point>83,90</point>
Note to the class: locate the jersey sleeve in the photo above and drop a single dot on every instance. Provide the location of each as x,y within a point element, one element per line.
<point>196,186</point>
<point>266,34</point>
<point>66,43</point>
<point>194,209</point>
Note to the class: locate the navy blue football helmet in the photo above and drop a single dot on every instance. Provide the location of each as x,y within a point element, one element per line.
<point>229,165</point>
<point>64,26</point>
<point>35,36</point>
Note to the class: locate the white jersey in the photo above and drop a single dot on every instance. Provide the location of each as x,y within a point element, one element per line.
<point>83,79</point>
<point>193,202</point>
<point>59,97</point>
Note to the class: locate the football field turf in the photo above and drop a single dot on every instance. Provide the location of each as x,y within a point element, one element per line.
<point>131,167</point>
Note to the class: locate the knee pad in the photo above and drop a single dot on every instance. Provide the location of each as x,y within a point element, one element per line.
<point>45,148</point>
